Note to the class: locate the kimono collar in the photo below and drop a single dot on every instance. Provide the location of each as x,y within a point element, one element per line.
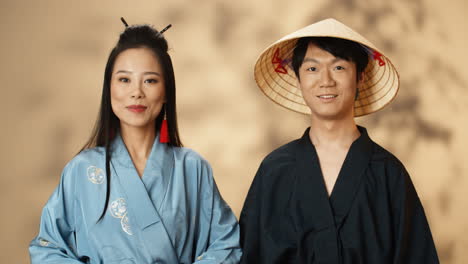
<point>354,166</point>
<point>160,163</point>
<point>334,208</point>
<point>362,141</point>
<point>161,156</point>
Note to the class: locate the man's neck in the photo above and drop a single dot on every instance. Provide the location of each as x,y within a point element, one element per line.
<point>333,133</point>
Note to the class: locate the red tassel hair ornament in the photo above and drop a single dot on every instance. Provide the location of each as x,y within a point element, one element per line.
<point>164,133</point>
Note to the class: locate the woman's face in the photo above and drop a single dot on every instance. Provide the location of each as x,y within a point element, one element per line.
<point>137,88</point>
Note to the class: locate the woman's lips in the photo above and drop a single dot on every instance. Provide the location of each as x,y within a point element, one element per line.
<point>137,108</point>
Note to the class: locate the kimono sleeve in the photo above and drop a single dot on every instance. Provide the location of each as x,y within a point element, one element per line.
<point>251,229</point>
<point>414,243</point>
<point>55,242</point>
<point>222,230</point>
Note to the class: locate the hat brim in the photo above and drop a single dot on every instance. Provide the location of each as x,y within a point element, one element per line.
<point>277,80</point>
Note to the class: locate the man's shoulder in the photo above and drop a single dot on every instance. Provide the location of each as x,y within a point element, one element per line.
<point>285,154</point>
<point>277,166</point>
<point>380,154</point>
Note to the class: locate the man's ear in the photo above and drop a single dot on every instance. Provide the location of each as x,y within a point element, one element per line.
<point>298,82</point>
<point>361,78</point>
<point>360,83</point>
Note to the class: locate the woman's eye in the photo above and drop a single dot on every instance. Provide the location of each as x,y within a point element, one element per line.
<point>311,69</point>
<point>151,81</point>
<point>123,79</point>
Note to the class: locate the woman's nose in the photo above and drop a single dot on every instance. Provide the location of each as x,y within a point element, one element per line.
<point>137,91</point>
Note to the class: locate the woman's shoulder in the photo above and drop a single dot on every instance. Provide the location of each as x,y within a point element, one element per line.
<point>190,156</point>
<point>88,165</point>
<point>85,160</point>
<point>89,155</point>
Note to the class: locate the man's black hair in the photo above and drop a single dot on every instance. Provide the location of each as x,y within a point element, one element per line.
<point>340,48</point>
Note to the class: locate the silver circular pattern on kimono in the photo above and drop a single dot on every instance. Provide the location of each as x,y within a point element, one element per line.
<point>126,225</point>
<point>118,208</point>
<point>95,175</point>
<point>43,242</point>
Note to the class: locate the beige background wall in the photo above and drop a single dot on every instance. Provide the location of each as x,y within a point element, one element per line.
<point>52,57</point>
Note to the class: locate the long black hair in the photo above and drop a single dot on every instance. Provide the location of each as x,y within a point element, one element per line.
<point>107,124</point>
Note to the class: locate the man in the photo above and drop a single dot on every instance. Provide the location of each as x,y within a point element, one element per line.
<point>332,196</point>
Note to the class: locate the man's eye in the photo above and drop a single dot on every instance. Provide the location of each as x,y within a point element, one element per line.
<point>311,69</point>
<point>339,68</point>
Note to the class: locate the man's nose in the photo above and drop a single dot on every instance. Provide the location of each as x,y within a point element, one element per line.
<point>326,79</point>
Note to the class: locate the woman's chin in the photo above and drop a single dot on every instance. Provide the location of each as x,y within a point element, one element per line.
<point>137,124</point>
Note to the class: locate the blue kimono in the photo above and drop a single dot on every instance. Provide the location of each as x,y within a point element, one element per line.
<point>172,214</point>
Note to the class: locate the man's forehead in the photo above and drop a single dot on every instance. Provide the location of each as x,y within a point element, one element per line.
<point>315,53</point>
<point>313,48</point>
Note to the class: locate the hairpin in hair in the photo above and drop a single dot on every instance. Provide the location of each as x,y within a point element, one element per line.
<point>124,22</point>
<point>166,28</point>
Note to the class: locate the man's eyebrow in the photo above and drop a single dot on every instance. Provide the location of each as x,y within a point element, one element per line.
<point>311,60</point>
<point>336,59</point>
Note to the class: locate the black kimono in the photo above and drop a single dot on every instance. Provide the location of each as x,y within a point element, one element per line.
<point>373,215</point>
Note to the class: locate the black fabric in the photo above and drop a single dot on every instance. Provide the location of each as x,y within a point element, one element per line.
<point>373,214</point>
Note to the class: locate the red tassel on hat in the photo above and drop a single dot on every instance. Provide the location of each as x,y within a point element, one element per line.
<point>378,56</point>
<point>277,60</point>
<point>164,134</point>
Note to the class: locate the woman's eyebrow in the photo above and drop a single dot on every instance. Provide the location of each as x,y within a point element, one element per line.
<point>122,71</point>
<point>155,73</point>
<point>145,73</point>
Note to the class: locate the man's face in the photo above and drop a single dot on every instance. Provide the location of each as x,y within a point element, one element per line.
<point>328,84</point>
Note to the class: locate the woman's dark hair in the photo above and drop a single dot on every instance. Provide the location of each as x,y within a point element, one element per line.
<point>340,48</point>
<point>107,124</point>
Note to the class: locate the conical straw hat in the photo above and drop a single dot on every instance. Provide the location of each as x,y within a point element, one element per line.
<point>276,78</point>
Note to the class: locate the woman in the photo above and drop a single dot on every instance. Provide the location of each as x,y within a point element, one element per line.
<point>134,194</point>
